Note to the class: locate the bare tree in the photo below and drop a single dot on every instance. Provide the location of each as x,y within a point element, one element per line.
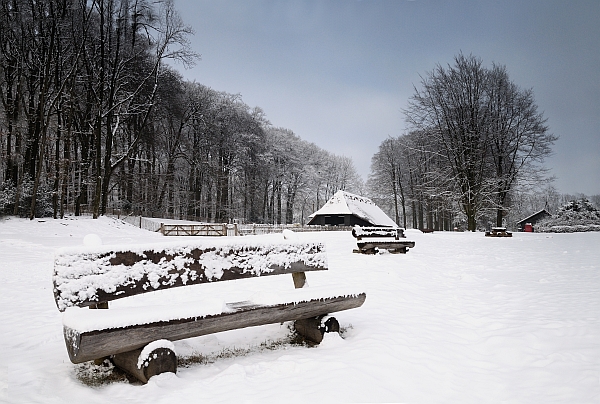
<point>134,40</point>
<point>487,130</point>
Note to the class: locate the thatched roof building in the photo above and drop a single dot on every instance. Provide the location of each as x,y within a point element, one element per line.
<point>346,209</point>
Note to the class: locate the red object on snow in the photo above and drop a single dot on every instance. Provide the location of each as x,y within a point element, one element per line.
<point>528,228</point>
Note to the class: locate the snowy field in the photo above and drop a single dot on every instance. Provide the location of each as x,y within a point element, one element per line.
<point>461,318</point>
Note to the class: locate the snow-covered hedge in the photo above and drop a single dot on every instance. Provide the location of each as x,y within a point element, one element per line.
<point>575,216</point>
<point>568,229</point>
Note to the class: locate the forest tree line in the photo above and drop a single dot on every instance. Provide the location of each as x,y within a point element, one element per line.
<point>94,120</point>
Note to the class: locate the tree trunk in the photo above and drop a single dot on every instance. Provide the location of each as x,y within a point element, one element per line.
<point>97,168</point>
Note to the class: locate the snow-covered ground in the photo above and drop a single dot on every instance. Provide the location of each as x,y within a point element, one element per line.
<point>461,318</point>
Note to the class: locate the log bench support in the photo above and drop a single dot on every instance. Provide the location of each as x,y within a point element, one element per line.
<point>129,346</point>
<point>159,360</point>
<point>314,328</point>
<point>394,247</point>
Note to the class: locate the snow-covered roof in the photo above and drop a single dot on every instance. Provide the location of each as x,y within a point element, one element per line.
<point>345,203</point>
<point>535,214</point>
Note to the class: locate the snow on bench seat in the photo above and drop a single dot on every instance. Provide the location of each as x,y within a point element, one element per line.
<point>85,320</point>
<point>360,232</point>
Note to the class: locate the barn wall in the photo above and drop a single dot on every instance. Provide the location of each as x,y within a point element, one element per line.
<point>338,220</point>
<point>352,220</point>
<point>532,219</point>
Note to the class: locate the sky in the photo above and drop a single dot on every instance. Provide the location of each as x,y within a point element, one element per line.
<point>340,73</point>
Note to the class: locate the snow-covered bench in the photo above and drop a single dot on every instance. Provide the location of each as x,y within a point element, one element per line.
<point>380,237</point>
<point>137,339</point>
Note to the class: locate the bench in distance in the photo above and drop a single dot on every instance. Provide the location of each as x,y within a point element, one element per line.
<point>381,238</point>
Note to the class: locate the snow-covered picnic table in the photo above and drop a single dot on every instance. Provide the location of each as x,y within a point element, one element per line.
<point>498,232</point>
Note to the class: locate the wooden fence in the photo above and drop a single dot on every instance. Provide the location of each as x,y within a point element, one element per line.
<point>248,229</point>
<point>220,229</point>
<point>142,222</point>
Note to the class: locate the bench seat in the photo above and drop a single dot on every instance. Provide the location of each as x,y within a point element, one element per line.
<point>91,334</point>
<point>392,246</point>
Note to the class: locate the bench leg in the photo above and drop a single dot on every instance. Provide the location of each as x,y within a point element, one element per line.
<point>314,328</point>
<point>159,361</point>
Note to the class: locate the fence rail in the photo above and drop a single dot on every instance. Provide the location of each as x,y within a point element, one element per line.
<point>142,222</point>
<point>247,229</point>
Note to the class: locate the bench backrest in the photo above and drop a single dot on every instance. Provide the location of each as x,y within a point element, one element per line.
<point>360,232</point>
<point>87,276</point>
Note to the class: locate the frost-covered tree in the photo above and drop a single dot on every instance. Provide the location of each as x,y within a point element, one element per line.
<point>519,137</point>
<point>408,175</point>
<point>385,181</point>
<point>574,216</point>
<point>93,120</point>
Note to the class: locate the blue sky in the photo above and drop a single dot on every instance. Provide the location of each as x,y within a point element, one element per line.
<point>339,73</point>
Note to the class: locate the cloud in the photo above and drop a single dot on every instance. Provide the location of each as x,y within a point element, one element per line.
<point>338,73</point>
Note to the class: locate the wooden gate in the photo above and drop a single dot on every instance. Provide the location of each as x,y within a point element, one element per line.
<point>204,229</point>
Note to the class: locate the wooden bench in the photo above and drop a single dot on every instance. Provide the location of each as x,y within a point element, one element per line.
<point>380,238</point>
<point>138,339</point>
<point>498,232</point>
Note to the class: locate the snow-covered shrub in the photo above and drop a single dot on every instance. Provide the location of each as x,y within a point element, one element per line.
<point>43,204</point>
<point>575,216</point>
<point>8,196</point>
